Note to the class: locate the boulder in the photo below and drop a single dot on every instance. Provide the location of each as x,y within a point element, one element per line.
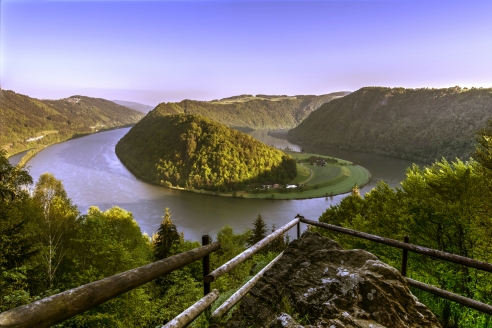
<point>316,283</point>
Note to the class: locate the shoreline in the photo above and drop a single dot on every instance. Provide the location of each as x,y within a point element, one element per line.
<point>31,152</point>
<point>311,192</point>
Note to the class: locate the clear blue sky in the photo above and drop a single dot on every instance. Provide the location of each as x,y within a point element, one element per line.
<point>154,51</point>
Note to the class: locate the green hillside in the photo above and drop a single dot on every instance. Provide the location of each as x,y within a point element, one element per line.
<point>195,152</point>
<point>27,122</point>
<point>255,112</point>
<point>415,124</point>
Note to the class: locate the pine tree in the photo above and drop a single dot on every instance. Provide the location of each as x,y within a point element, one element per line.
<point>259,231</point>
<point>167,234</point>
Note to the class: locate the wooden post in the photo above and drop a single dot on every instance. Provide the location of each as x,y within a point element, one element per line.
<point>404,258</point>
<point>206,265</point>
<point>300,217</point>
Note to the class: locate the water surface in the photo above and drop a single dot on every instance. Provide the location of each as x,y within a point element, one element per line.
<point>94,176</point>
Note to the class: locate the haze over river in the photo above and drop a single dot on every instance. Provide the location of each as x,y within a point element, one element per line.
<point>94,176</point>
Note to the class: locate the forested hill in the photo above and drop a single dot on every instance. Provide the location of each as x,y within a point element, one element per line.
<point>23,119</point>
<point>192,151</point>
<point>415,124</point>
<point>255,112</point>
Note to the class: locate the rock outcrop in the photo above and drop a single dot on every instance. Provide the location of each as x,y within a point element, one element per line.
<point>316,283</point>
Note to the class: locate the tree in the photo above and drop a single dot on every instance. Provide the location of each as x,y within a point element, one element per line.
<point>483,150</point>
<point>12,180</point>
<point>16,245</point>
<point>259,231</point>
<point>55,226</point>
<point>166,235</point>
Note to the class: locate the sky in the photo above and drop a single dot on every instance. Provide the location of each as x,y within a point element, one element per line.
<point>160,51</point>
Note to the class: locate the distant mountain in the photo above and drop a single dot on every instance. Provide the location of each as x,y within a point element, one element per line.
<point>135,106</point>
<point>415,124</point>
<point>248,111</point>
<point>26,122</point>
<point>193,151</point>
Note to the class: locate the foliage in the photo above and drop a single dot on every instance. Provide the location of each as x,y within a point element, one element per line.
<point>23,117</point>
<point>16,245</point>
<point>415,124</point>
<point>77,249</point>
<point>440,206</point>
<point>194,152</point>
<point>54,225</point>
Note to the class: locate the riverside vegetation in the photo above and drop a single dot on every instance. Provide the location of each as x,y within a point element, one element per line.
<point>414,124</point>
<point>254,112</point>
<point>29,123</point>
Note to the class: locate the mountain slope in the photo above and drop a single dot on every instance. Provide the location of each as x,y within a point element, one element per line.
<point>193,151</point>
<point>26,122</point>
<point>135,106</point>
<point>247,111</point>
<point>416,124</point>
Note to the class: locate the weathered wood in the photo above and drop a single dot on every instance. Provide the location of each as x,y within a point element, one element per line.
<point>479,306</point>
<point>413,248</point>
<point>404,258</point>
<point>59,307</point>
<point>238,295</point>
<point>206,265</point>
<point>249,252</point>
<point>187,317</point>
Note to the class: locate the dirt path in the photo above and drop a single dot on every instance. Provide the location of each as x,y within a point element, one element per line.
<point>311,175</point>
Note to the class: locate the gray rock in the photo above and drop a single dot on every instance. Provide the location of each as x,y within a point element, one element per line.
<point>316,283</point>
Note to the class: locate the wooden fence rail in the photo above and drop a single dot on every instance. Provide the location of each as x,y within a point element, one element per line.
<point>60,307</point>
<point>413,248</point>
<point>471,303</point>
<point>249,252</point>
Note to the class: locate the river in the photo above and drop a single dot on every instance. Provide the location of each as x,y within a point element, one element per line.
<point>93,176</point>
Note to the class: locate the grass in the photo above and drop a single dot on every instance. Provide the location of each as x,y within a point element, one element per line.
<point>303,174</point>
<point>324,173</point>
<point>328,180</point>
<point>315,181</point>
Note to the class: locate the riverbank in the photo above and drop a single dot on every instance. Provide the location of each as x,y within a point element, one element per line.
<point>31,152</point>
<point>318,176</point>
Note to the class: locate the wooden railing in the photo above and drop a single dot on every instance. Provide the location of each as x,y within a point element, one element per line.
<point>185,318</point>
<point>482,307</point>
<point>59,307</point>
